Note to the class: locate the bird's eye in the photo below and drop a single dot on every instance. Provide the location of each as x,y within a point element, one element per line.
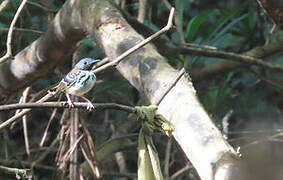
<point>85,63</point>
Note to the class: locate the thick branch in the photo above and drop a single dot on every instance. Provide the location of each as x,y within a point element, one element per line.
<point>149,72</point>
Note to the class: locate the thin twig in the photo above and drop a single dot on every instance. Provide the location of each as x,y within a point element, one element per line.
<point>71,150</point>
<point>64,130</point>
<point>180,172</point>
<point>143,43</point>
<point>264,79</point>
<point>64,104</point>
<point>180,74</point>
<point>65,136</point>
<point>240,58</point>
<point>167,158</point>
<point>4,4</point>
<point>100,63</point>
<point>16,112</point>
<point>40,6</point>
<point>177,22</point>
<point>23,30</point>
<point>19,173</point>
<point>25,128</point>
<point>47,152</point>
<point>48,125</point>
<point>22,113</point>
<point>93,165</point>
<point>10,34</point>
<point>89,152</point>
<point>142,10</point>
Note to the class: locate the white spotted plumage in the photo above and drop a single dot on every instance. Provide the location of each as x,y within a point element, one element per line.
<point>82,82</point>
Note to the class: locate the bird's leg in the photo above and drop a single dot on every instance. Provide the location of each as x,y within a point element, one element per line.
<point>70,103</point>
<point>89,103</point>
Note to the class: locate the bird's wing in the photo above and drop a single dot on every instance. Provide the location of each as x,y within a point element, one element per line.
<point>68,81</point>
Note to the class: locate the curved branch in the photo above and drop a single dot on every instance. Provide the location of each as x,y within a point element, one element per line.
<point>231,56</point>
<point>227,66</point>
<point>4,4</point>
<point>10,34</point>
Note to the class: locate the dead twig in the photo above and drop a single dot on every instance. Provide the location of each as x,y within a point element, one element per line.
<point>48,125</point>
<point>63,104</point>
<point>10,34</point>
<point>4,4</point>
<point>180,74</point>
<point>25,128</point>
<point>180,172</point>
<point>167,158</point>
<point>142,10</point>
<point>89,152</point>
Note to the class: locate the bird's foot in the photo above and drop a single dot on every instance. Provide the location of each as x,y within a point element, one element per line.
<point>70,104</point>
<point>90,106</point>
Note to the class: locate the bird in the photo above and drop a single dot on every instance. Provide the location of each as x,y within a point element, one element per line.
<point>78,81</point>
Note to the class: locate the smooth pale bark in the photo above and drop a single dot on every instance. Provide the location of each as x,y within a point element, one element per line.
<point>149,72</point>
<point>146,69</point>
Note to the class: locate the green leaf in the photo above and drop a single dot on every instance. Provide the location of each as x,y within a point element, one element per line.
<point>195,23</point>
<point>148,160</point>
<point>145,170</point>
<point>221,22</point>
<point>228,27</point>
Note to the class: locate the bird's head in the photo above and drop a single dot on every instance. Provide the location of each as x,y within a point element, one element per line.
<point>86,63</point>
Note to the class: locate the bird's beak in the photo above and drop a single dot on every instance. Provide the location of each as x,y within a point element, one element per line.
<point>95,61</point>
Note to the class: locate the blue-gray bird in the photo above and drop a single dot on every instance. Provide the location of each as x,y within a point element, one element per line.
<point>79,81</point>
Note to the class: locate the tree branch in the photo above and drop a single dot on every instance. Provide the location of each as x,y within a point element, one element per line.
<point>227,66</point>
<point>19,173</point>
<point>4,4</point>
<point>246,59</point>
<point>10,34</point>
<point>64,104</point>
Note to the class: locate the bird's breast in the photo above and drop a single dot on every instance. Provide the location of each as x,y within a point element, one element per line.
<point>84,82</point>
